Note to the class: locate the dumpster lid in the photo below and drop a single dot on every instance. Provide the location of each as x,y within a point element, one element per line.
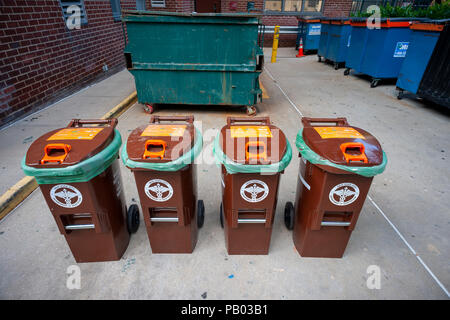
<point>64,147</point>
<point>430,25</point>
<point>165,139</point>
<point>335,140</point>
<point>310,19</point>
<point>188,14</point>
<point>252,141</point>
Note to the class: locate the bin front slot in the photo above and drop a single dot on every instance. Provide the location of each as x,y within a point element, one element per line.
<point>163,214</point>
<point>354,152</point>
<point>55,153</point>
<point>252,216</point>
<point>77,221</point>
<point>154,149</point>
<point>255,150</point>
<point>336,219</point>
<point>312,122</point>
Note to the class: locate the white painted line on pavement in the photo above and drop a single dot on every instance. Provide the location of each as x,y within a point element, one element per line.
<point>376,206</point>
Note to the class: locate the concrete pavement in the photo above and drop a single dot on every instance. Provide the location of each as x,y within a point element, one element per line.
<point>412,193</point>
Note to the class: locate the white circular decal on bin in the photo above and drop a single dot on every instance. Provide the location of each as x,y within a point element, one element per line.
<point>344,194</point>
<point>158,190</point>
<point>66,196</point>
<point>254,191</point>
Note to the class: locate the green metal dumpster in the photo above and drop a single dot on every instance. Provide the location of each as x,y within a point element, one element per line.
<point>194,58</point>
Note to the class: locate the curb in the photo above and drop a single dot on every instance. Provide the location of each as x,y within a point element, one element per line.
<point>22,189</point>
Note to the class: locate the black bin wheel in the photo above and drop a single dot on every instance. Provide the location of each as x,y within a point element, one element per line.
<point>374,83</point>
<point>347,72</point>
<point>200,213</point>
<point>133,218</point>
<point>221,215</point>
<point>289,215</point>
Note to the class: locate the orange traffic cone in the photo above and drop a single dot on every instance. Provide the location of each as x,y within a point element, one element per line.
<point>300,49</point>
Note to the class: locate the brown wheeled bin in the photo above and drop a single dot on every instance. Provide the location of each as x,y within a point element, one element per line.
<point>77,171</point>
<point>252,153</point>
<point>338,162</point>
<point>161,155</point>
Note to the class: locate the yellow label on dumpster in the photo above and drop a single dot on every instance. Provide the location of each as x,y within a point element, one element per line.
<point>174,130</point>
<point>75,134</point>
<point>250,132</point>
<point>338,132</point>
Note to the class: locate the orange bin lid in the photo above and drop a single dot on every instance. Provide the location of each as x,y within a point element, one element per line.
<point>64,147</point>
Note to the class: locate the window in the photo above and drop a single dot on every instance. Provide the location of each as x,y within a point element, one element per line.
<point>293,5</point>
<point>140,4</point>
<point>158,3</point>
<point>115,6</point>
<point>67,3</point>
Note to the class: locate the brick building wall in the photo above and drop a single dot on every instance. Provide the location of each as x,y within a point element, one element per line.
<point>41,60</point>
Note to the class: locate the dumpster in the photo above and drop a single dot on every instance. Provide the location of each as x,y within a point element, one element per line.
<point>378,53</point>
<point>194,58</point>
<point>339,33</point>
<point>338,162</point>
<point>78,173</point>
<point>161,156</point>
<point>324,38</point>
<point>252,155</point>
<point>435,85</point>
<point>309,31</point>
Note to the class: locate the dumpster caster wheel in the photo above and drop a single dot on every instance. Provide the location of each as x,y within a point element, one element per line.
<point>374,83</point>
<point>346,71</point>
<point>336,66</point>
<point>400,95</point>
<point>133,218</point>
<point>149,108</point>
<point>251,110</point>
<point>221,215</point>
<point>200,213</point>
<point>289,215</point>
<point>320,58</point>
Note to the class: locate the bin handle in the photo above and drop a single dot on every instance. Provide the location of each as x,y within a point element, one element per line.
<point>265,120</point>
<point>335,224</point>
<point>164,219</point>
<point>154,154</point>
<point>250,155</point>
<point>79,122</point>
<point>158,119</point>
<point>351,157</point>
<point>79,226</point>
<point>340,122</point>
<point>55,146</point>
<point>252,220</point>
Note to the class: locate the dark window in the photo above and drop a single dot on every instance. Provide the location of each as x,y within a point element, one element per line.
<point>293,5</point>
<point>115,6</point>
<point>158,3</point>
<point>140,4</point>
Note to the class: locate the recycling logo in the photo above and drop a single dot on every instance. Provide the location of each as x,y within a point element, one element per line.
<point>158,190</point>
<point>254,191</point>
<point>344,194</point>
<point>66,196</point>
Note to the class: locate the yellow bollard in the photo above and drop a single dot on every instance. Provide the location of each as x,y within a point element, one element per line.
<point>276,35</point>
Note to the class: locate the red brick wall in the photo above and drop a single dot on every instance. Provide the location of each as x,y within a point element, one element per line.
<point>337,8</point>
<point>41,60</point>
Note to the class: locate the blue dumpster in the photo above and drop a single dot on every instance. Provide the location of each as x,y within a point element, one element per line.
<point>309,31</point>
<point>324,38</point>
<point>424,37</point>
<point>378,53</point>
<point>339,39</point>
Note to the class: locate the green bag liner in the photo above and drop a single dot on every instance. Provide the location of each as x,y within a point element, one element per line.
<point>234,167</point>
<point>314,158</point>
<point>80,172</point>
<point>174,165</point>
